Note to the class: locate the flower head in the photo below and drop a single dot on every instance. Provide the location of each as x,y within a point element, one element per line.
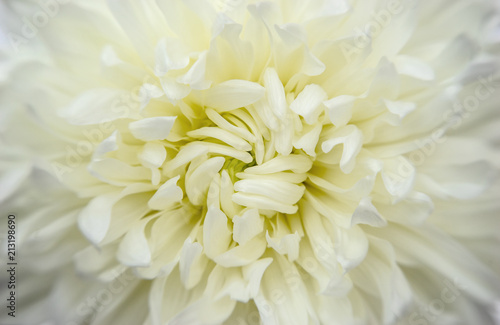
<point>316,162</point>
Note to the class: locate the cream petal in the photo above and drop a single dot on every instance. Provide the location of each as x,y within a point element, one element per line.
<point>400,109</point>
<point>167,194</point>
<point>308,103</point>
<point>240,284</point>
<point>457,265</point>
<point>287,245</point>
<point>280,191</point>
<point>275,93</point>
<point>98,262</point>
<point>117,172</point>
<point>386,82</point>
<point>247,226</point>
<point>153,155</point>
<point>174,90</point>
<point>171,54</point>
<point>283,136</point>
<point>295,163</point>
<point>128,210</point>
<point>398,176</point>
<point>99,105</point>
<point>352,139</point>
<point>413,210</point>
<point>367,214</point>
<point>153,128</point>
<point>192,263</point>
<point>190,21</point>
<point>241,255</point>
<point>186,154</point>
<point>263,202</point>
<point>351,247</point>
<point>454,58</point>
<point>198,180</point>
<point>148,92</point>
<point>206,311</point>
<point>320,240</point>
<point>233,94</point>
<point>414,67</point>
<point>216,235</point>
<point>253,274</point>
<point>224,124</point>
<point>309,141</point>
<point>217,133</point>
<point>457,181</point>
<point>11,181</point>
<point>226,193</point>
<point>109,144</point>
<point>95,218</point>
<point>340,109</point>
<point>281,297</point>
<point>266,114</point>
<point>168,234</point>
<point>134,248</point>
<point>195,77</point>
<point>381,276</point>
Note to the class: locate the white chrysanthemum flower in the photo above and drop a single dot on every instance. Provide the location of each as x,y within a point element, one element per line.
<point>246,162</point>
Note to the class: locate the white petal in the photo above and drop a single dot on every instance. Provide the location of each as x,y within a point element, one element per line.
<point>153,155</point>
<point>206,310</point>
<point>288,244</point>
<point>170,54</point>
<point>281,297</point>
<point>244,254</point>
<point>98,106</point>
<point>233,94</point>
<point>195,77</point>
<point>214,132</point>
<point>321,241</point>
<point>134,248</point>
<point>174,90</point>
<point>224,124</point>
<point>198,181</point>
<point>398,176</point>
<point>309,141</point>
<point>216,235</point>
<point>458,181</point>
<point>167,194</point>
<point>153,128</point>
<point>191,263</point>
<point>117,172</point>
<point>295,163</point>
<point>340,109</point>
<point>352,138</point>
<point>249,225</point>
<point>367,214</point>
<point>263,202</point>
<point>241,284</point>
<point>95,218</point>
<point>280,191</point>
<point>226,193</point>
<point>308,103</point>
<point>283,135</point>
<point>147,92</point>
<point>275,93</point>
<point>109,144</point>
<point>400,108</point>
<point>413,67</point>
<point>352,247</point>
<point>186,155</point>
<point>253,274</point>
<point>10,181</point>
